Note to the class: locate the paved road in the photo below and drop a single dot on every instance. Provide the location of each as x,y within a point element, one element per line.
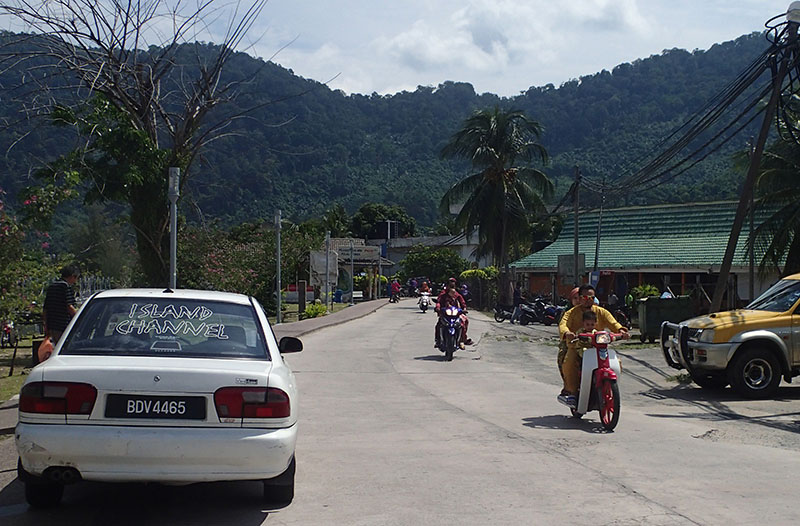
<point>393,435</point>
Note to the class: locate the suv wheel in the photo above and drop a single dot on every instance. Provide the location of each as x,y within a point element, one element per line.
<point>755,373</point>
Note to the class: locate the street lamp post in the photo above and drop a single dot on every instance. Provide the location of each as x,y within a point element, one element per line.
<point>327,266</point>
<point>173,192</point>
<point>351,273</point>
<point>278,270</point>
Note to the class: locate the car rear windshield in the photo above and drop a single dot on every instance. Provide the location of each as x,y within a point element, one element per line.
<point>167,327</point>
<point>778,298</point>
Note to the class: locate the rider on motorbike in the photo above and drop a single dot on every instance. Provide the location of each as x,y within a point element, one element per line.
<point>571,324</point>
<point>395,288</point>
<point>448,297</point>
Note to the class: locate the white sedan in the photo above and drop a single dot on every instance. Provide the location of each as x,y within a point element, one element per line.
<point>161,386</point>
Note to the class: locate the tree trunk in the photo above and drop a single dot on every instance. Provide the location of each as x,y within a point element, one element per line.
<point>150,219</point>
<point>793,257</point>
<point>505,298</point>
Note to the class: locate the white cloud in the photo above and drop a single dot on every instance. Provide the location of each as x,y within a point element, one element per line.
<point>502,46</point>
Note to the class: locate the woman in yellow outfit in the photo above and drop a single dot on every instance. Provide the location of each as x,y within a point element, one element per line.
<point>570,327</point>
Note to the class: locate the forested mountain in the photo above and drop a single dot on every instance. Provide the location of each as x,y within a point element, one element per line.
<point>308,147</point>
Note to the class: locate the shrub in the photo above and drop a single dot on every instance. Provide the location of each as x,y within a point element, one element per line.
<point>642,291</point>
<point>315,310</point>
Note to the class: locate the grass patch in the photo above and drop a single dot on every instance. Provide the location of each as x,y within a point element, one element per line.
<point>680,378</point>
<point>10,385</point>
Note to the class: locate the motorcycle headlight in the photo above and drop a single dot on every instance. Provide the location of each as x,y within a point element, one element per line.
<point>706,336</point>
<point>602,338</point>
<point>451,311</point>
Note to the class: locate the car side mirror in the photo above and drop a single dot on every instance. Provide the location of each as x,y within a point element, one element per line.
<point>290,344</point>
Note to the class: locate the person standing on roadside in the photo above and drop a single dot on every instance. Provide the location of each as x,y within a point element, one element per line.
<point>517,301</point>
<point>59,303</point>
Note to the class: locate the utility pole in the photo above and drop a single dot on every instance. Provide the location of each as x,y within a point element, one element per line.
<point>352,302</point>
<point>599,225</point>
<point>327,266</point>
<point>173,192</point>
<point>278,270</point>
<point>576,203</point>
<point>755,163</point>
<point>751,237</point>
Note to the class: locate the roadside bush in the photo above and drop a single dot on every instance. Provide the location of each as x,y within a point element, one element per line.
<point>643,291</point>
<point>314,310</point>
<point>482,283</point>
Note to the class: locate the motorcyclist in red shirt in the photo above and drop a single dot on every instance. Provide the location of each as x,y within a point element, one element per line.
<point>448,297</point>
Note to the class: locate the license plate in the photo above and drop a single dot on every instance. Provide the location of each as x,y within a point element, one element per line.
<point>156,407</point>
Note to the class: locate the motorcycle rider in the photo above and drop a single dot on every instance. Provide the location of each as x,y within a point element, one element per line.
<point>424,288</point>
<point>447,298</point>
<point>562,344</point>
<point>395,289</point>
<point>571,323</point>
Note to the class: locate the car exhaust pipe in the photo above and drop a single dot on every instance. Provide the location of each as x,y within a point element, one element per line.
<point>62,475</point>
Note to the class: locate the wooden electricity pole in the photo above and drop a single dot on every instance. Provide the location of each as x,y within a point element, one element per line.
<point>755,162</point>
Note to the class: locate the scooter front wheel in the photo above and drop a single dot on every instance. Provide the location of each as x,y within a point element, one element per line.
<point>608,398</point>
<point>575,413</point>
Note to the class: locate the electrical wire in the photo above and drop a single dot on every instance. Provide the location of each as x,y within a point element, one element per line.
<point>714,117</point>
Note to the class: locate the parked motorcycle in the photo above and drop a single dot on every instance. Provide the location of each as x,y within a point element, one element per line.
<point>8,335</point>
<point>533,311</point>
<point>424,301</point>
<point>552,314</point>
<point>622,318</point>
<point>450,331</point>
<point>503,312</point>
<point>600,371</point>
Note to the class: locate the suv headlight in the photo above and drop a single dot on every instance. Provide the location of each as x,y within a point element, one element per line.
<point>706,336</point>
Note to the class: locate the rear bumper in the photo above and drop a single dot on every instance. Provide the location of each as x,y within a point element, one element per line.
<point>156,454</point>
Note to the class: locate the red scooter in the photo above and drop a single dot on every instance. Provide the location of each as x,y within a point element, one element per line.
<point>600,371</point>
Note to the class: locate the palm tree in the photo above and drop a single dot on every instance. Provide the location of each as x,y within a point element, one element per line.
<point>778,188</point>
<point>504,193</point>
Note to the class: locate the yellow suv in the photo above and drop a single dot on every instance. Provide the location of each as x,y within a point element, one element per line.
<point>749,348</point>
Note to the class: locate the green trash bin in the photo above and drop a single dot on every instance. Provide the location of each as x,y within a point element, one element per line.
<point>654,310</point>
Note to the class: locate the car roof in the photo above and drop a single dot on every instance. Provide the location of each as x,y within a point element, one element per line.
<point>187,294</point>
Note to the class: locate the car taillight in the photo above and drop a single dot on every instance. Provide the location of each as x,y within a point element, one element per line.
<point>251,402</point>
<point>62,398</point>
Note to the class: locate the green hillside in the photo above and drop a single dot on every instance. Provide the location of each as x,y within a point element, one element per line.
<point>309,147</point>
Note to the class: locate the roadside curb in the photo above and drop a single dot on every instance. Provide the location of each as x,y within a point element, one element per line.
<point>302,327</point>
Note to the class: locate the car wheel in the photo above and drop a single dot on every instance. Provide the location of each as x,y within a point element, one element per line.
<point>43,495</point>
<point>755,373</point>
<point>710,381</point>
<point>280,490</point>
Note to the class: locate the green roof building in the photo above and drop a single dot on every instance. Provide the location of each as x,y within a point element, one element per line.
<point>680,247</point>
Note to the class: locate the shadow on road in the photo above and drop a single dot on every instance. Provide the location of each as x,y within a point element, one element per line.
<point>713,405</point>
<point>92,503</point>
<point>431,358</point>
<point>563,422</point>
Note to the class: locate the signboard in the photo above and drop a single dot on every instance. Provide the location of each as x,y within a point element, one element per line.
<point>362,253</point>
<point>566,268</point>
